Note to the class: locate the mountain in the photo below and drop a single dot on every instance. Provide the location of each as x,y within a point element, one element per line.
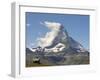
<point>65,39</point>
<point>63,50</point>
<point>76,45</point>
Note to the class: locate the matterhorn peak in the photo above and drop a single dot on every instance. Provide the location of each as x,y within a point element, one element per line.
<point>58,39</point>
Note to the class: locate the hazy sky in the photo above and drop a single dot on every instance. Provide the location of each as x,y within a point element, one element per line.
<point>77,26</point>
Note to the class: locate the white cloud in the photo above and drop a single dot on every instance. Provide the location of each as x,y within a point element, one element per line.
<point>49,36</point>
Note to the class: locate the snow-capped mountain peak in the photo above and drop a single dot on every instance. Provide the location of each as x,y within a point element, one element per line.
<point>58,39</point>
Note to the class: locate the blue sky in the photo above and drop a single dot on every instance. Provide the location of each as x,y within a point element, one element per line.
<point>77,26</point>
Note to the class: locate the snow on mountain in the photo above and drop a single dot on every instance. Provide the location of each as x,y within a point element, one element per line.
<point>57,48</point>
